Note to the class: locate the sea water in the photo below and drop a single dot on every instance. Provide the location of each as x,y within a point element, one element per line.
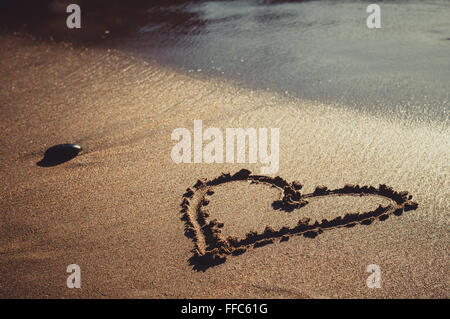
<point>315,50</point>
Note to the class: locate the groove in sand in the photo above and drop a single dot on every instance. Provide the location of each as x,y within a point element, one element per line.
<point>211,246</point>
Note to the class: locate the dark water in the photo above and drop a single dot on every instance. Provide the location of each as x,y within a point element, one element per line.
<point>319,50</point>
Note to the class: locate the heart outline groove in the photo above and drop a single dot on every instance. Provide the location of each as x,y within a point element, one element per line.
<point>211,248</point>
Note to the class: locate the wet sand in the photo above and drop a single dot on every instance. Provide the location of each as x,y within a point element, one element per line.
<point>115,209</point>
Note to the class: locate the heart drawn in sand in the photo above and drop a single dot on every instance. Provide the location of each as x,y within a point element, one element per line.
<point>212,247</point>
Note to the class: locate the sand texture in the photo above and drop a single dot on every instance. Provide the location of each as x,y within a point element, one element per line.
<point>352,189</point>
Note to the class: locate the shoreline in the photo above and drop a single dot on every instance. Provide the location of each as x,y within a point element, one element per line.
<point>114,209</point>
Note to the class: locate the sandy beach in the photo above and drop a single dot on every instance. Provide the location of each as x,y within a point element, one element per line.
<point>114,210</point>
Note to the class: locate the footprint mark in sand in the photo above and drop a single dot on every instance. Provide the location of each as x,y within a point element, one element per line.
<point>211,247</point>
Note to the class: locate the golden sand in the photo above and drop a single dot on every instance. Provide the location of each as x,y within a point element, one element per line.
<point>115,209</point>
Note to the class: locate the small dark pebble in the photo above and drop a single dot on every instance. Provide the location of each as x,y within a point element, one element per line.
<point>59,154</point>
